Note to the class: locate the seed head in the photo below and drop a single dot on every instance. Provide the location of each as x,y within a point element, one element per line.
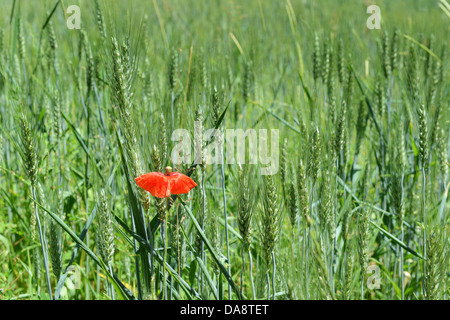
<point>27,147</point>
<point>317,66</point>
<point>423,134</point>
<point>105,229</point>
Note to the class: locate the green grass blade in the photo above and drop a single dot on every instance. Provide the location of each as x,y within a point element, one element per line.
<point>88,252</point>
<point>212,251</point>
<point>83,233</point>
<point>396,240</point>
<point>147,247</point>
<point>83,145</point>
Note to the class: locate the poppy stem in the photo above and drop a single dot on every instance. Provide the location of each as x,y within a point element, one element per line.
<point>43,244</point>
<point>251,272</point>
<point>226,224</point>
<point>243,268</point>
<point>273,275</point>
<point>202,255</point>
<point>164,234</point>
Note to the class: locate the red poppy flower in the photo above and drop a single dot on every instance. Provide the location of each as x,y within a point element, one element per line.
<point>162,185</point>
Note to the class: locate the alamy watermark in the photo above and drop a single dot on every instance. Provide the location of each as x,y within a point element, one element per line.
<point>74,20</point>
<point>73,280</point>
<point>233,141</point>
<point>374,280</point>
<point>373,22</point>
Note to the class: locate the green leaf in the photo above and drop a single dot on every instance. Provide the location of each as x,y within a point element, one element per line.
<point>5,242</point>
<point>413,143</point>
<point>88,252</point>
<point>278,118</point>
<point>192,272</point>
<point>222,116</point>
<point>366,97</point>
<point>147,248</point>
<point>305,88</point>
<point>50,15</point>
<point>83,145</point>
<point>396,240</point>
<point>423,47</point>
<point>83,233</point>
<point>202,266</point>
<point>212,251</point>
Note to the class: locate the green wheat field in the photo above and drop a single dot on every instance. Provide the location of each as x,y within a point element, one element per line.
<point>358,208</point>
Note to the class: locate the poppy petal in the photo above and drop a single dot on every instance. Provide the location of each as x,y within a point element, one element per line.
<point>156,183</point>
<point>180,183</point>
